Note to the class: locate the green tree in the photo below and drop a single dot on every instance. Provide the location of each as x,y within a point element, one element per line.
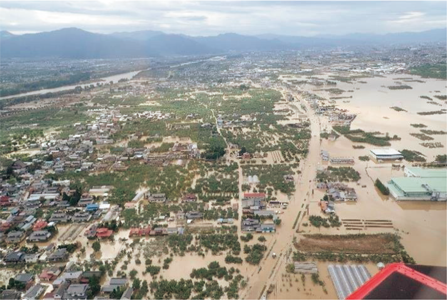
<point>95,287</point>
<point>133,273</point>
<point>96,246</point>
<point>136,284</point>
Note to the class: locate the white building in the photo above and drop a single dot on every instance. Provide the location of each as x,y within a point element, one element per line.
<point>386,154</point>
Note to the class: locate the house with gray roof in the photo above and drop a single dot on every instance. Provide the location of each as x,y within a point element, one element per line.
<point>10,295</point>
<point>39,236</point>
<point>60,291</point>
<point>15,237</point>
<point>34,292</point>
<point>59,217</point>
<point>76,292</point>
<point>265,213</point>
<point>70,277</point>
<point>160,198</point>
<point>58,255</point>
<point>80,217</point>
<point>194,215</point>
<point>113,284</point>
<point>14,257</point>
<point>27,279</point>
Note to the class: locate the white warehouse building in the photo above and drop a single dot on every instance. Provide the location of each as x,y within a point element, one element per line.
<point>386,154</point>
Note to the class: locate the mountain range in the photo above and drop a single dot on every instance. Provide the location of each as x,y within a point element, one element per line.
<point>76,43</point>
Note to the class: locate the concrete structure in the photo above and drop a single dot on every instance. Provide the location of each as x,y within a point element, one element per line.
<point>342,160</point>
<point>386,154</point>
<point>305,267</point>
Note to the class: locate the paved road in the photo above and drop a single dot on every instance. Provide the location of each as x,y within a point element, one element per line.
<point>283,238</point>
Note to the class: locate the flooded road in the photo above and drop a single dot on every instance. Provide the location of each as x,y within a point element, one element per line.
<point>283,238</point>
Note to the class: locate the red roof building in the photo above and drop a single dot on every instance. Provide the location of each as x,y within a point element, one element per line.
<point>5,201</point>
<point>103,233</point>
<point>130,205</point>
<point>49,274</point>
<point>138,232</point>
<point>39,225</point>
<point>401,281</point>
<point>5,226</point>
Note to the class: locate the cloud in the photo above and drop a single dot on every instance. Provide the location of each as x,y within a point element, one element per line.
<point>214,17</point>
<point>409,17</point>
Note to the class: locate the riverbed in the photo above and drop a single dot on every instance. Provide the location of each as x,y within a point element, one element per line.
<point>113,78</point>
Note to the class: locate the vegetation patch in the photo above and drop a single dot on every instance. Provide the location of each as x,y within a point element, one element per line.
<point>412,156</point>
<point>255,253</point>
<point>426,97</point>
<point>359,243</point>
<point>433,132</point>
<point>318,221</point>
<point>422,136</point>
<point>334,174</point>
<point>418,125</point>
<point>435,112</point>
<point>398,109</point>
<point>400,87</point>
<point>381,187</point>
<point>360,136</point>
<point>271,176</point>
<point>441,97</point>
<point>430,71</point>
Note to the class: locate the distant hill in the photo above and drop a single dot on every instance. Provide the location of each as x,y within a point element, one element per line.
<point>237,42</point>
<point>429,36</point>
<point>358,39</point>
<point>77,43</point>
<point>142,35</point>
<point>173,44</point>
<point>5,35</point>
<point>69,43</point>
<point>306,42</point>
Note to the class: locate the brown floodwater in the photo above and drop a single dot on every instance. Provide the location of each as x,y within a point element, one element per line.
<point>422,224</point>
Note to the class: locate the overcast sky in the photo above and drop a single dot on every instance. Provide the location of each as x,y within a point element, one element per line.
<point>214,17</point>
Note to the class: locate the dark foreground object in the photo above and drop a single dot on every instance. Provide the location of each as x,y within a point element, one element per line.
<point>400,281</point>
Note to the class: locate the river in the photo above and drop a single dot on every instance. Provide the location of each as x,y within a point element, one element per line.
<point>114,78</point>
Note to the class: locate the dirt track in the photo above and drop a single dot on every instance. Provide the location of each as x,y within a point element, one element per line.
<point>363,244</point>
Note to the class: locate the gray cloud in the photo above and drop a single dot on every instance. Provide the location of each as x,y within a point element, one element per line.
<point>214,17</point>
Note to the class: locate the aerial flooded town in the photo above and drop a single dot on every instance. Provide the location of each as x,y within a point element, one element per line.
<point>292,173</point>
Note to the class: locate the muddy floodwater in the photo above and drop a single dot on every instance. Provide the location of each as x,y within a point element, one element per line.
<point>421,224</point>
<point>371,102</point>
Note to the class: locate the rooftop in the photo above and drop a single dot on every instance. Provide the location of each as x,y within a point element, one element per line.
<point>427,173</point>
<point>385,151</point>
<point>420,185</point>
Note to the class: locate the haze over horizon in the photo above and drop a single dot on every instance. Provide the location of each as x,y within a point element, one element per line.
<point>205,18</point>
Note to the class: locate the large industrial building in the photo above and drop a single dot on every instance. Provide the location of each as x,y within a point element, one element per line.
<point>386,154</point>
<point>425,172</point>
<point>420,184</point>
